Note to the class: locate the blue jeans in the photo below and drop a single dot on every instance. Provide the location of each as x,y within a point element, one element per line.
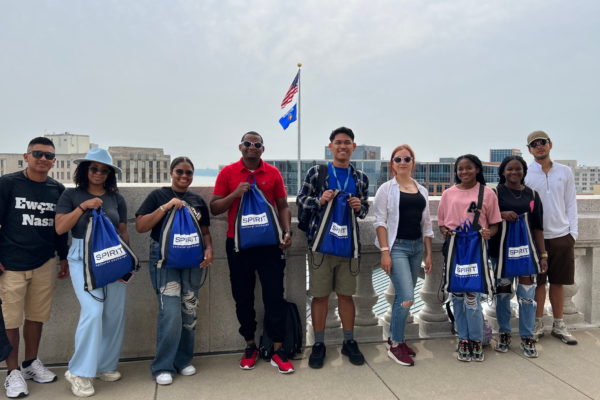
<point>177,293</point>
<point>407,256</point>
<point>101,324</point>
<point>527,305</point>
<point>468,315</point>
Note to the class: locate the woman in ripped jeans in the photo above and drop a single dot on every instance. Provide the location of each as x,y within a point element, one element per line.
<point>514,199</point>
<point>403,224</point>
<point>457,204</point>
<point>176,288</point>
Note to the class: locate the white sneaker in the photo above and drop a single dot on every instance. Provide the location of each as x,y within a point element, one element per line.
<point>109,376</point>
<point>187,371</point>
<point>38,373</point>
<point>538,331</point>
<point>164,379</point>
<point>80,386</point>
<point>15,385</point>
<point>560,331</point>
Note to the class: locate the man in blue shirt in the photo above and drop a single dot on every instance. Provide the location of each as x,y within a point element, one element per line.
<point>327,272</point>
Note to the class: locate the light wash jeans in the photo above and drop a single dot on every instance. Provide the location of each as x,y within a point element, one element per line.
<point>527,305</point>
<point>468,315</point>
<point>177,293</point>
<point>101,324</point>
<point>407,256</point>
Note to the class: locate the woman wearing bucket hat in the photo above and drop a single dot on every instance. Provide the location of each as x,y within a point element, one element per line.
<point>101,323</point>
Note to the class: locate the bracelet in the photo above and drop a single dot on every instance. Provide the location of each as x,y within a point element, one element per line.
<point>544,255</point>
<point>82,210</point>
<point>384,249</point>
<point>166,212</point>
<point>213,250</point>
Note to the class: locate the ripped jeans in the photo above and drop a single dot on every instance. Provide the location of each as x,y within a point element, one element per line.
<point>527,305</point>
<point>468,315</point>
<point>177,294</point>
<point>407,256</point>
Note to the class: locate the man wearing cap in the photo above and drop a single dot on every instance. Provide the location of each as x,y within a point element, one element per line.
<point>28,246</point>
<point>555,185</point>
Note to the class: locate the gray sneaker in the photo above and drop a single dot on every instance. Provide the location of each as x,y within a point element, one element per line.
<point>538,331</point>
<point>560,331</point>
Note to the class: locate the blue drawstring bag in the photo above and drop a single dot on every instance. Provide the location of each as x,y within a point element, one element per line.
<point>256,222</point>
<point>467,268</point>
<point>336,234</point>
<point>107,257</point>
<point>180,244</point>
<point>518,256</point>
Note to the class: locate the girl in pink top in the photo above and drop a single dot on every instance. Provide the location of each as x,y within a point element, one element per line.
<point>458,204</point>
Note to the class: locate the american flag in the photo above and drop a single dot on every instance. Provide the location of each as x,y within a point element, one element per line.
<point>289,96</point>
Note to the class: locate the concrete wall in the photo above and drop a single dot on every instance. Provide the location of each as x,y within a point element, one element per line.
<point>217,326</point>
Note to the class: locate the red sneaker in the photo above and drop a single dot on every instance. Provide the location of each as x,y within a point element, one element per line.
<point>388,345</point>
<point>249,358</point>
<point>400,355</point>
<point>281,361</point>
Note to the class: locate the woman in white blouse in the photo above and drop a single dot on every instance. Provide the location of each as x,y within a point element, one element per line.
<point>401,244</point>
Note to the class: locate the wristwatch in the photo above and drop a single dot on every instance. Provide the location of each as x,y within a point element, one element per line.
<point>288,231</point>
<point>544,255</point>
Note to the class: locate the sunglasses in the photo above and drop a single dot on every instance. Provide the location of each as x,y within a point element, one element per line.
<point>38,154</point>
<point>180,172</point>
<point>542,142</point>
<point>406,159</point>
<point>103,171</point>
<point>257,145</point>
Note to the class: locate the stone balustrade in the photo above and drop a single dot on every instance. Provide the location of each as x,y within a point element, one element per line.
<point>217,328</point>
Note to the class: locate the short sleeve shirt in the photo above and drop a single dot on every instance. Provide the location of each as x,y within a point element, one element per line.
<point>340,176</point>
<point>113,206</point>
<point>268,178</point>
<point>455,203</point>
<point>161,196</point>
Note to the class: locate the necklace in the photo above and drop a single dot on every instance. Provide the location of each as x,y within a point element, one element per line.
<point>511,192</point>
<point>405,187</point>
<point>180,198</point>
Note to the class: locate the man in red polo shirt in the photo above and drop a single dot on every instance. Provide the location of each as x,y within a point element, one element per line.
<point>268,261</point>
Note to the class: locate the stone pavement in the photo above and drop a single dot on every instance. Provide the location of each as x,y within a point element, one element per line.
<point>561,372</point>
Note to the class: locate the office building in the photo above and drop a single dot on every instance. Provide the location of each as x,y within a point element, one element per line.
<point>585,176</point>
<point>497,155</point>
<point>362,152</point>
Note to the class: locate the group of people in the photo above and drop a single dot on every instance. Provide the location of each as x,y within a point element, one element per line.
<point>37,212</point>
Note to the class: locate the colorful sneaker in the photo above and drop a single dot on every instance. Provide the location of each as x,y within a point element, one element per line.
<point>110,376</point>
<point>538,331</point>
<point>317,357</point>
<point>528,347</point>
<point>350,350</point>
<point>249,358</point>
<point>80,386</point>
<point>560,331</point>
<point>400,355</point>
<point>15,385</point>
<point>38,373</point>
<point>281,361</point>
<point>503,343</point>
<point>476,351</point>
<point>464,351</point>
<point>389,343</point>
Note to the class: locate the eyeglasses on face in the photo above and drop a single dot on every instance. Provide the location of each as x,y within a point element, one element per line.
<point>256,145</point>
<point>406,159</point>
<point>103,171</point>
<point>180,172</point>
<point>38,154</point>
<point>541,142</point>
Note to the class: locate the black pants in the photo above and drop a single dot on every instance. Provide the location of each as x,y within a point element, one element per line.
<point>269,261</point>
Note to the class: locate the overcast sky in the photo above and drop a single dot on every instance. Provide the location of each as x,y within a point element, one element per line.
<point>447,77</point>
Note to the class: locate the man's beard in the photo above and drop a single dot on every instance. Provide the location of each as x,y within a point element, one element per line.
<point>542,157</point>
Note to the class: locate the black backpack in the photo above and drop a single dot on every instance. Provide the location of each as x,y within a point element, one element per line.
<point>304,215</point>
<point>292,343</point>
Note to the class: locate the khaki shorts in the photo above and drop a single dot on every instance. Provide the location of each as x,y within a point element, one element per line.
<point>28,293</point>
<point>333,275</point>
<point>561,261</point>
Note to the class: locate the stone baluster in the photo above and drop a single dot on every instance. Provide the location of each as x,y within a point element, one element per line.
<point>366,324</point>
<point>333,320</point>
<point>571,314</point>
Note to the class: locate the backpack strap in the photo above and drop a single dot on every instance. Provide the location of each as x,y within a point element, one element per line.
<point>323,169</point>
<point>476,225</point>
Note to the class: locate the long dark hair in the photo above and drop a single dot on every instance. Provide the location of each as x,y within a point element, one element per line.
<point>179,160</point>
<point>505,163</point>
<point>81,180</point>
<point>476,161</point>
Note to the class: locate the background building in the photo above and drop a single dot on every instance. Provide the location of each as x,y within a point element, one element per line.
<point>585,177</point>
<point>497,155</point>
<point>362,152</point>
<point>141,164</point>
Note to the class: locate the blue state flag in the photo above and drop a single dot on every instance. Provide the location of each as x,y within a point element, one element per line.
<point>288,118</point>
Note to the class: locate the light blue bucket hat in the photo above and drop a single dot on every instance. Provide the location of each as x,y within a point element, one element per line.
<point>98,155</point>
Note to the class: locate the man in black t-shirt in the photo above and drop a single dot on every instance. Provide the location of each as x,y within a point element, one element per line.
<point>28,245</point>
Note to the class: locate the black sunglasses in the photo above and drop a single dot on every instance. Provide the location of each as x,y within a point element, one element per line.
<point>103,171</point>
<point>406,159</point>
<point>38,154</point>
<point>542,142</point>
<point>257,145</point>
<point>180,172</point>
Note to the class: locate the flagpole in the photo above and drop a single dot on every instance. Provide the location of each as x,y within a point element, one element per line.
<point>299,135</point>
